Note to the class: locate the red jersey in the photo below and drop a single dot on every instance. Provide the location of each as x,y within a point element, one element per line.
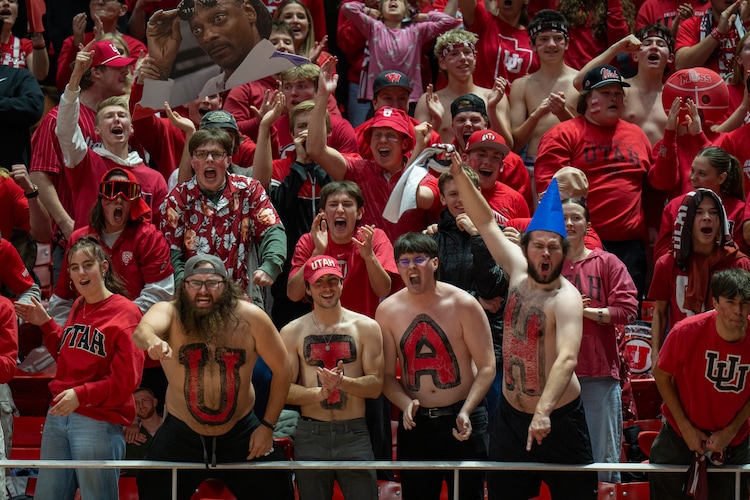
<point>96,356</point>
<point>358,295</point>
<point>47,157</point>
<point>737,143</point>
<point>15,52</point>
<point>505,202</point>
<point>709,372</point>
<point>502,49</point>
<point>377,187</point>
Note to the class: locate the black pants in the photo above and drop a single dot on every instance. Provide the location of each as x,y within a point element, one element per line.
<point>176,442</point>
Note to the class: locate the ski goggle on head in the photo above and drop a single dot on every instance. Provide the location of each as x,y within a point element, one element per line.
<point>112,189</point>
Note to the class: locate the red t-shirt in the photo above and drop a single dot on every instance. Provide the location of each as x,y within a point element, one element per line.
<point>691,33</point>
<point>358,295</point>
<point>505,202</point>
<point>502,49</point>
<point>14,206</point>
<point>665,11</point>
<point>710,374</point>
<point>616,161</point>
<point>376,189</point>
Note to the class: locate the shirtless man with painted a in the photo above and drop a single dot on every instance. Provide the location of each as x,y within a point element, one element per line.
<point>440,337</point>
<point>540,417</point>
<point>337,361</point>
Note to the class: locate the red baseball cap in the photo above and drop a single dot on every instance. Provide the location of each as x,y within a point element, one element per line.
<point>106,54</point>
<point>320,266</point>
<point>394,118</point>
<point>487,139</point>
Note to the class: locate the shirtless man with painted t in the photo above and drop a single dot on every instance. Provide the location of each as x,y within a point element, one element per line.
<point>441,339</point>
<point>208,340</point>
<point>540,417</point>
<point>337,361</point>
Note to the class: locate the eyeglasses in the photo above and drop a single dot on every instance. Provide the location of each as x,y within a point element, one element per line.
<point>211,285</point>
<point>202,154</point>
<point>112,189</point>
<point>419,260</point>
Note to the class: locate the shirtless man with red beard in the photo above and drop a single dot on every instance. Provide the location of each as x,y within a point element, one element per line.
<point>441,339</point>
<point>208,340</point>
<point>540,417</point>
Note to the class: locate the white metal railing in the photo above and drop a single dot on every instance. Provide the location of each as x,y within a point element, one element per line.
<point>455,466</point>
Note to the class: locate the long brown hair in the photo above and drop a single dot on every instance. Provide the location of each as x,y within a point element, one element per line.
<point>577,14</point>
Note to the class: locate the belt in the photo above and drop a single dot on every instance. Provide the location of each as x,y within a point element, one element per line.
<point>441,411</point>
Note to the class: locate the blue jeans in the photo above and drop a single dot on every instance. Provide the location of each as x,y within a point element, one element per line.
<point>76,437</point>
<point>602,402</point>
<point>356,111</point>
<point>340,440</point>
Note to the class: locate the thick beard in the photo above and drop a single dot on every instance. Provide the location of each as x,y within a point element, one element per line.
<point>556,272</point>
<point>206,324</point>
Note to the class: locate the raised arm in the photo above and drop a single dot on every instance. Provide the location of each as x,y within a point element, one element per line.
<point>263,159</point>
<point>331,160</point>
<point>468,7</point>
<point>629,44</point>
<point>698,54</point>
<point>506,253</point>
<point>72,143</point>
<point>498,109</point>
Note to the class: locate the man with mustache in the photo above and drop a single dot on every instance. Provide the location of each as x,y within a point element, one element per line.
<point>540,417</point>
<point>208,341</point>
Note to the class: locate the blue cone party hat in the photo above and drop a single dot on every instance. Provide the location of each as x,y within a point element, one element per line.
<point>549,213</point>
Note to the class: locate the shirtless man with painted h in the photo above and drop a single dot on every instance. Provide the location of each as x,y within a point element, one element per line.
<point>441,339</point>
<point>208,340</point>
<point>337,361</point>
<point>540,417</point>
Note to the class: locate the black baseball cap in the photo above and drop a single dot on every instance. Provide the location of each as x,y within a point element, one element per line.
<point>390,78</point>
<point>601,76</point>
<point>468,102</point>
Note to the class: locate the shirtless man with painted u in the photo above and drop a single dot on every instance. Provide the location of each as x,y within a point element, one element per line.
<point>208,340</point>
<point>337,361</point>
<point>540,417</point>
<point>441,339</point>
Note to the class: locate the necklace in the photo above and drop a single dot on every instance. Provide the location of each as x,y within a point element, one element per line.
<point>96,306</point>
<point>322,331</point>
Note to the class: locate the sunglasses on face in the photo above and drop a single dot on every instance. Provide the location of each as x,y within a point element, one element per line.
<point>112,189</point>
<point>419,260</point>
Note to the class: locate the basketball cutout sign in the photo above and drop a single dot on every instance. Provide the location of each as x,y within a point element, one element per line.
<point>705,87</point>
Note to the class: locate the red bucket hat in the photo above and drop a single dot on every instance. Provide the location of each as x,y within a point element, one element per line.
<point>396,119</point>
